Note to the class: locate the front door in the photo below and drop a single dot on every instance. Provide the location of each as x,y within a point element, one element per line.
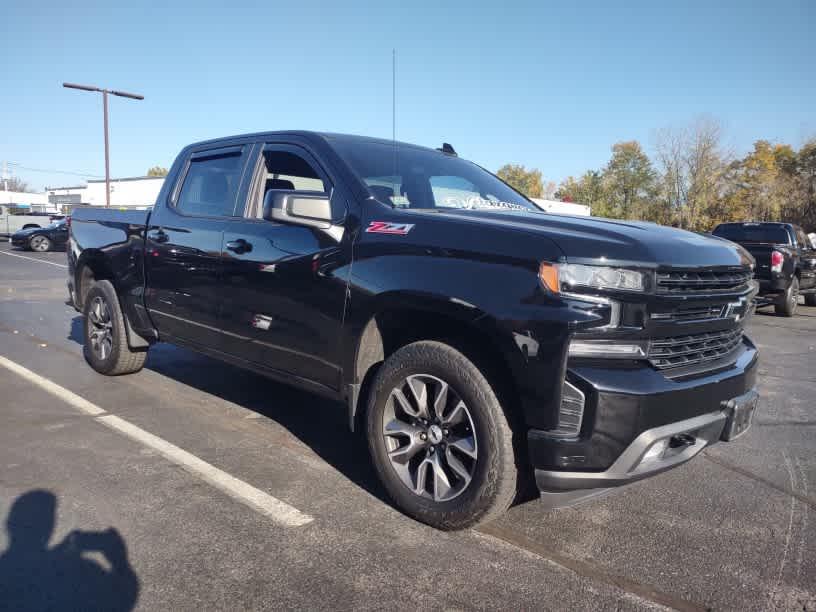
<point>183,247</point>
<point>285,285</point>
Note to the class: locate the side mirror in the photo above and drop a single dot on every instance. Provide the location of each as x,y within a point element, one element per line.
<point>312,209</point>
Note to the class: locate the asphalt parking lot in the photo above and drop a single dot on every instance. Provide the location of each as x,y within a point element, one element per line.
<point>734,529</point>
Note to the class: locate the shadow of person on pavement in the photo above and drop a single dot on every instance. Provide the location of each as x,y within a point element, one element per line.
<point>63,577</point>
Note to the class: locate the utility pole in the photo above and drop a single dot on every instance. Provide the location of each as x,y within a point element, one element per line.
<point>105,92</point>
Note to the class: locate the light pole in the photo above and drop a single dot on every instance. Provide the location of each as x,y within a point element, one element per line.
<point>105,92</point>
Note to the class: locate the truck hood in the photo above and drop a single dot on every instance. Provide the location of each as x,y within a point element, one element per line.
<point>592,239</point>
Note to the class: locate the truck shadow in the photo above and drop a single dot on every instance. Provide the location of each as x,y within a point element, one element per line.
<point>319,423</point>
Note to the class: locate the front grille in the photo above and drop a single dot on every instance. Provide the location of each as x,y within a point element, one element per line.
<point>678,351</point>
<point>697,281</point>
<point>687,314</point>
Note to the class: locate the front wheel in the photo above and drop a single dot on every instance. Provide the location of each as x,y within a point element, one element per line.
<point>106,349</point>
<point>787,306</point>
<point>439,438</point>
<point>810,299</point>
<point>40,244</point>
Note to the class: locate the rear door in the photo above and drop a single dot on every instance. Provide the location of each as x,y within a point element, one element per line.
<point>284,284</point>
<point>183,246</point>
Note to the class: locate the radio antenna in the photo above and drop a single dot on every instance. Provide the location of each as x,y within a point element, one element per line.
<point>394,116</point>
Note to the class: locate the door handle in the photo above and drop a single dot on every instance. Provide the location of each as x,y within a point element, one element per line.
<point>158,235</point>
<point>239,246</point>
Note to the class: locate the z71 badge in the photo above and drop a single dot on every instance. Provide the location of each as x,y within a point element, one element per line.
<point>383,227</point>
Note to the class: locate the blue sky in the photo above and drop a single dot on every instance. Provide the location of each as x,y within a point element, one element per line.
<point>543,84</point>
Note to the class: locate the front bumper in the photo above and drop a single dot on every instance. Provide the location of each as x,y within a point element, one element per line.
<point>19,241</point>
<point>627,408</point>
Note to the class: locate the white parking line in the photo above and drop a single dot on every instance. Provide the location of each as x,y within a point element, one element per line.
<point>258,500</point>
<point>50,263</point>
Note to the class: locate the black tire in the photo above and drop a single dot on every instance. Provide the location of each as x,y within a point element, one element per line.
<point>810,299</point>
<point>786,307</point>
<point>39,243</point>
<point>118,358</point>
<point>494,474</point>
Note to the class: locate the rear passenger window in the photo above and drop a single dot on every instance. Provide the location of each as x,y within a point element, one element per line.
<point>210,187</point>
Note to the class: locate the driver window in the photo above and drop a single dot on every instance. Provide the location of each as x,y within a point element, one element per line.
<point>288,171</point>
<point>285,170</point>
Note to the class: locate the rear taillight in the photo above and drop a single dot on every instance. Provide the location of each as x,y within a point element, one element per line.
<point>776,261</point>
<point>68,221</point>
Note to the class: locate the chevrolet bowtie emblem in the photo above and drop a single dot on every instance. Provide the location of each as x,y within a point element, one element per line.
<point>734,310</point>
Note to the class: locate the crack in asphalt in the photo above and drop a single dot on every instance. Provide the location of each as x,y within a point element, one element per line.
<point>805,499</point>
<point>590,570</point>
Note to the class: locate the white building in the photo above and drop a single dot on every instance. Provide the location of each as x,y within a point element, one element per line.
<point>564,208</point>
<point>138,191</point>
<point>134,191</point>
<point>36,202</point>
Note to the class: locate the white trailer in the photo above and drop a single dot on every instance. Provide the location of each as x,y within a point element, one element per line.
<point>10,222</point>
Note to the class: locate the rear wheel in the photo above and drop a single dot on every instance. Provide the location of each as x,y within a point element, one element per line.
<point>39,243</point>
<point>810,299</point>
<point>786,307</point>
<point>440,441</point>
<point>106,348</point>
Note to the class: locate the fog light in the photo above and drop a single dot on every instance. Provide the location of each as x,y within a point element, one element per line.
<point>604,348</point>
<point>656,450</point>
<point>570,413</point>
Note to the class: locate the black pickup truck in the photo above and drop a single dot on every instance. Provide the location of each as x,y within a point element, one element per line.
<point>785,261</point>
<point>478,342</point>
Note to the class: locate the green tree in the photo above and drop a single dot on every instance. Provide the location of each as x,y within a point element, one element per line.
<point>157,171</point>
<point>526,181</point>
<point>629,181</point>
<point>588,189</point>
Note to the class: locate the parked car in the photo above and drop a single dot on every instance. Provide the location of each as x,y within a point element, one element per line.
<point>785,261</point>
<point>11,221</point>
<point>474,338</point>
<point>41,239</point>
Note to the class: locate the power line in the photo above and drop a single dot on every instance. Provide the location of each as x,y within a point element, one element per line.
<point>53,171</point>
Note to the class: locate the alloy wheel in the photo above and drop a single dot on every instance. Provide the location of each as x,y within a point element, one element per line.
<point>101,332</point>
<point>429,437</point>
<point>39,243</point>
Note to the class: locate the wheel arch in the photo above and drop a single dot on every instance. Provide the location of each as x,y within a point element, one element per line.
<point>91,267</point>
<point>402,319</point>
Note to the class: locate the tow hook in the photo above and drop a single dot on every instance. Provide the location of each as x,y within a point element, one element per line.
<point>681,440</point>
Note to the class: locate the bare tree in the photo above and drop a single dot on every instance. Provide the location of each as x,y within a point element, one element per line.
<point>670,147</point>
<point>693,162</point>
<point>14,183</point>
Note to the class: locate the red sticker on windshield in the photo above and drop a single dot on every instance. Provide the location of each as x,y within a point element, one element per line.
<point>384,227</point>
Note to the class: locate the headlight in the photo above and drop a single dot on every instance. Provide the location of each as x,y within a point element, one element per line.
<point>558,277</point>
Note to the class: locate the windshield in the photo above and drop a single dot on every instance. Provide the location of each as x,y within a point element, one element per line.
<point>410,177</point>
<point>768,234</point>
